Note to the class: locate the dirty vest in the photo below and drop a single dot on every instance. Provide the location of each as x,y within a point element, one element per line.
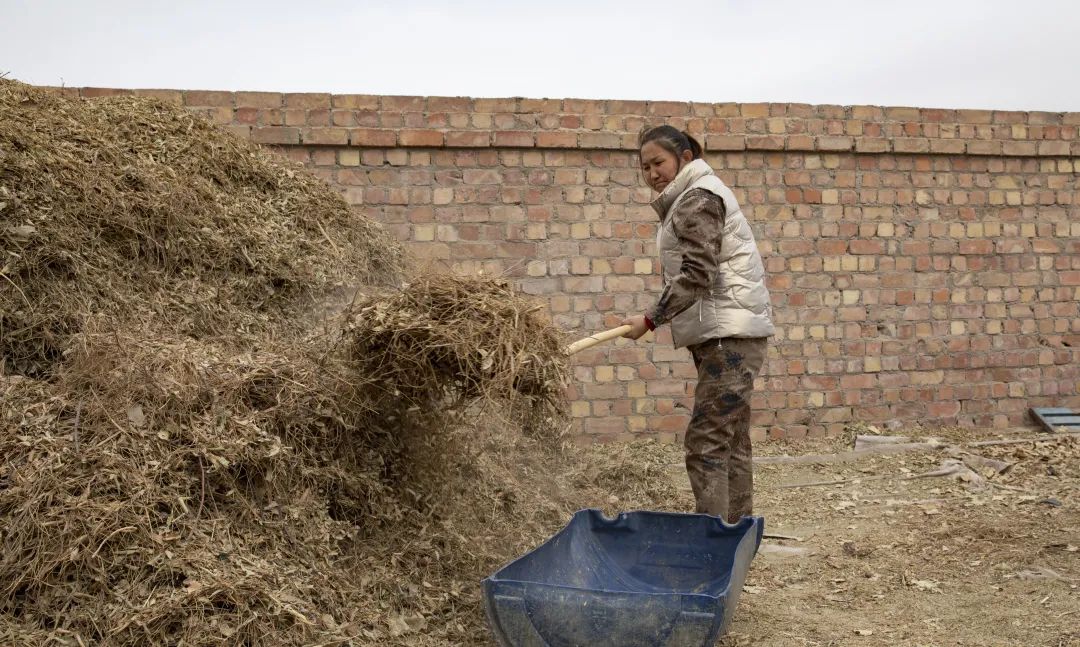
<point>737,302</point>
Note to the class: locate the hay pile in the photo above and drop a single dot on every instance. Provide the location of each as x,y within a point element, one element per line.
<point>443,342</point>
<point>210,497</point>
<point>136,211</point>
<point>185,459</point>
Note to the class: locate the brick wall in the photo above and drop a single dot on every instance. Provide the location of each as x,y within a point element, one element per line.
<point>924,264</point>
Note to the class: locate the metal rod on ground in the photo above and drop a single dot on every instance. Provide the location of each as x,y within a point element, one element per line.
<point>598,338</point>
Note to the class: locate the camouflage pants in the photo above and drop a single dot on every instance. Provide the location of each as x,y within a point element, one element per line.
<point>718,451</point>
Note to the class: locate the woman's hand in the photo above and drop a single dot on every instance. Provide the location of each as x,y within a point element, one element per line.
<point>639,326</point>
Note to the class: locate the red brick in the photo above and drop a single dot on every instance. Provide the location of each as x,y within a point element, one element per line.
<point>911,145</point>
<point>862,246</point>
<point>600,140</point>
<point>449,104</point>
<point>858,381</point>
<point>765,142</point>
<point>717,125</point>
<point>208,98</point>
<point>495,105</point>
<point>835,143</point>
<point>799,143</point>
<point>343,118</point>
<point>943,409</point>
<point>668,423</point>
<point>603,391</point>
<point>468,139</point>
<point>372,137</point>
<point>354,101</point>
<point>318,117</point>
<point>725,142</point>
<point>94,93</point>
<point>556,140</point>
<point>325,136</point>
<point>1054,148</point>
<point>399,104</point>
<point>828,247</point>
<point>624,284</point>
<point>273,135</point>
<point>937,115</point>
<point>570,122</point>
<point>754,110</point>
<point>514,139</point>
<point>669,108</point>
<point>1009,117</point>
<point>978,246</point>
<point>259,99</point>
<point>423,138</point>
<point>481,176</point>
<point>540,105</point>
<point>871,145</point>
<point>868,113</point>
<point>584,106</point>
<point>626,107</point>
<point>978,147</point>
<point>248,116</point>
<point>974,116</point>
<point>796,247</point>
<point>851,314</point>
<point>1020,148</point>
<point>902,114</point>
<point>308,100</point>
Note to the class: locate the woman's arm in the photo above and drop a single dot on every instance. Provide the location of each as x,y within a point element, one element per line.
<point>699,225</point>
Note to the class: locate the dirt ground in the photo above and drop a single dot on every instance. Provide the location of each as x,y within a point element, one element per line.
<point>887,555</point>
<point>885,559</point>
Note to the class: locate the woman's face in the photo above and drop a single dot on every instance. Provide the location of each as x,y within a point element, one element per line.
<point>659,166</point>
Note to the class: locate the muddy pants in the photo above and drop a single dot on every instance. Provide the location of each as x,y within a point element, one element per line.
<point>718,452</point>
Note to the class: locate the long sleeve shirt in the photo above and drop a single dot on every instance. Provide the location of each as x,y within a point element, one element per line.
<point>698,222</point>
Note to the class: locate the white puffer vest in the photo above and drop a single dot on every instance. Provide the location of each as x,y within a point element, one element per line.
<point>737,304</point>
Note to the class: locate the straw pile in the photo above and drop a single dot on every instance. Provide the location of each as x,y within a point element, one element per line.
<point>185,459</point>
<point>136,211</point>
<point>444,342</point>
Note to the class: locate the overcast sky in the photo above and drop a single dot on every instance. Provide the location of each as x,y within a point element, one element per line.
<point>1001,54</point>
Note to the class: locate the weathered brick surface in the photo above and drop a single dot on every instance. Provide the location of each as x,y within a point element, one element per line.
<point>924,263</point>
<point>577,123</point>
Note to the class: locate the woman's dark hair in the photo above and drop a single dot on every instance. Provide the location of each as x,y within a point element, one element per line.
<point>672,140</point>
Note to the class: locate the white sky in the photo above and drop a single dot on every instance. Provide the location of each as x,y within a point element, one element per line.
<point>1002,54</point>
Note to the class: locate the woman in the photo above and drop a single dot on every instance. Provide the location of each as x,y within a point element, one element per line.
<point>716,302</point>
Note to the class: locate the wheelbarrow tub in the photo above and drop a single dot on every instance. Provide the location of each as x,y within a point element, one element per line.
<point>641,579</point>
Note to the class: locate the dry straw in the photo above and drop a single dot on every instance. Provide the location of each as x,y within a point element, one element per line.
<point>444,342</point>
<point>135,210</point>
<point>185,459</point>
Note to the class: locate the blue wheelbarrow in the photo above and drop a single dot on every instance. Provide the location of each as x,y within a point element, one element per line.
<point>641,579</point>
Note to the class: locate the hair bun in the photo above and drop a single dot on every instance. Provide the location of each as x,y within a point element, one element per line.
<point>671,139</point>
